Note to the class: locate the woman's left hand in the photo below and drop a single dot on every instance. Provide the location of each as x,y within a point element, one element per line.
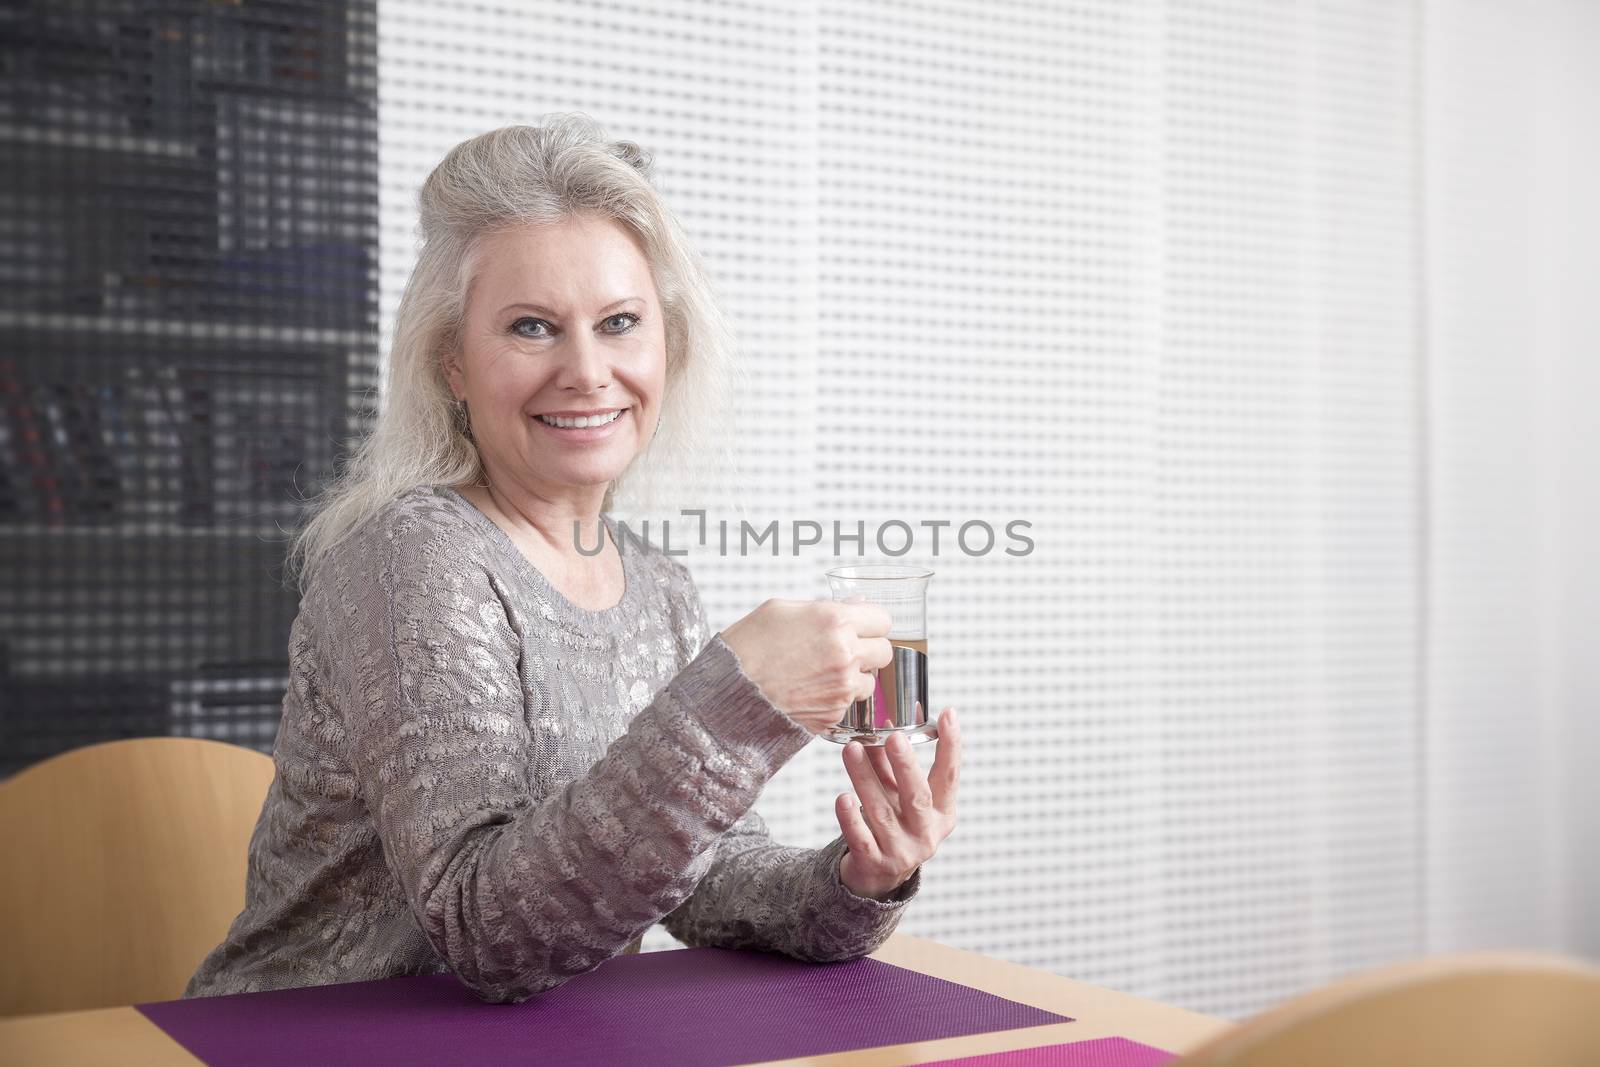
<point>902,815</point>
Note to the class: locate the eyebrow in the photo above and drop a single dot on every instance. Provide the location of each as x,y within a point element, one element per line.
<point>541,309</point>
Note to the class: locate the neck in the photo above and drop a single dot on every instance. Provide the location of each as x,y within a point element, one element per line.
<point>560,520</point>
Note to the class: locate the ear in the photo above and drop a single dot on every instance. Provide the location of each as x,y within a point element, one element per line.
<point>454,378</point>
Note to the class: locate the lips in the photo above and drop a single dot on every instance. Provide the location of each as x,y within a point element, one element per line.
<point>596,426</point>
<point>580,420</point>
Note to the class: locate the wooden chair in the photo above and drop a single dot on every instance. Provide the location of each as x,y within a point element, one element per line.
<point>121,866</point>
<point>1479,1010</point>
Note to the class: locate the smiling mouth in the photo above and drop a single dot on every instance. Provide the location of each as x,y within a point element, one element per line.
<point>580,422</point>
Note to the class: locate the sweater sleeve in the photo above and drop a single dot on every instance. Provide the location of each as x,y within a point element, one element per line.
<point>787,899</point>
<point>778,898</point>
<point>517,896</point>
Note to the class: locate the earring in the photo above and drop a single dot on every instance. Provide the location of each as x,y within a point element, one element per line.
<point>463,420</point>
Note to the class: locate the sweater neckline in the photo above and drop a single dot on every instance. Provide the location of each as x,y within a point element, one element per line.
<point>633,580</point>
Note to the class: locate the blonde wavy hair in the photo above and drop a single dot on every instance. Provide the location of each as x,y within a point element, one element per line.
<point>511,177</point>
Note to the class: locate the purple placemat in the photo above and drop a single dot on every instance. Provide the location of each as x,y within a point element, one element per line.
<point>686,1006</point>
<point>1100,1052</point>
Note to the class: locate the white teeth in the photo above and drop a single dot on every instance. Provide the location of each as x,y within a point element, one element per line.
<point>581,421</point>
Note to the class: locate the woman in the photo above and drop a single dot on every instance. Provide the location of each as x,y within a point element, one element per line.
<point>503,756</point>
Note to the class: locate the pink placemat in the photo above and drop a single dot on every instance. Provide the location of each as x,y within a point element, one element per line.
<point>699,1006</point>
<point>1100,1052</point>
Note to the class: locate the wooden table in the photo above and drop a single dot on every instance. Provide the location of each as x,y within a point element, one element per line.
<point>124,1036</point>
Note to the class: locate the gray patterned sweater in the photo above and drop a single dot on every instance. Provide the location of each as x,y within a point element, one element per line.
<point>476,775</point>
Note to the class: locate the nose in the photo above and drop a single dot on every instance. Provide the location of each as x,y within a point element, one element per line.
<point>586,368</point>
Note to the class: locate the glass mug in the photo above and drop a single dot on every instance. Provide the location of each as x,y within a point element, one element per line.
<point>899,701</point>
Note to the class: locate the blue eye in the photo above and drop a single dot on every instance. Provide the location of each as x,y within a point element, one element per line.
<point>516,327</point>
<point>527,325</point>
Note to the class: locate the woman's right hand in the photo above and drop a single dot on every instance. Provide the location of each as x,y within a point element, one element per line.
<point>812,658</point>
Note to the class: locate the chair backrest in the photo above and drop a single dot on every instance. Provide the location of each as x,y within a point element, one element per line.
<point>1478,1010</point>
<point>121,866</point>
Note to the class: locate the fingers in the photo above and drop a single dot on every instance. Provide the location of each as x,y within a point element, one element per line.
<point>872,652</point>
<point>946,762</point>
<point>881,815</point>
<point>885,769</point>
<point>866,686</point>
<point>916,797</point>
<point>854,828</point>
<point>868,620</point>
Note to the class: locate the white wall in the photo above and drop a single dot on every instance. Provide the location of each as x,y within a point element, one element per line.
<point>1510,347</point>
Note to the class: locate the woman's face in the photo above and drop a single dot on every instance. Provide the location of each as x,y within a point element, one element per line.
<point>563,322</point>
